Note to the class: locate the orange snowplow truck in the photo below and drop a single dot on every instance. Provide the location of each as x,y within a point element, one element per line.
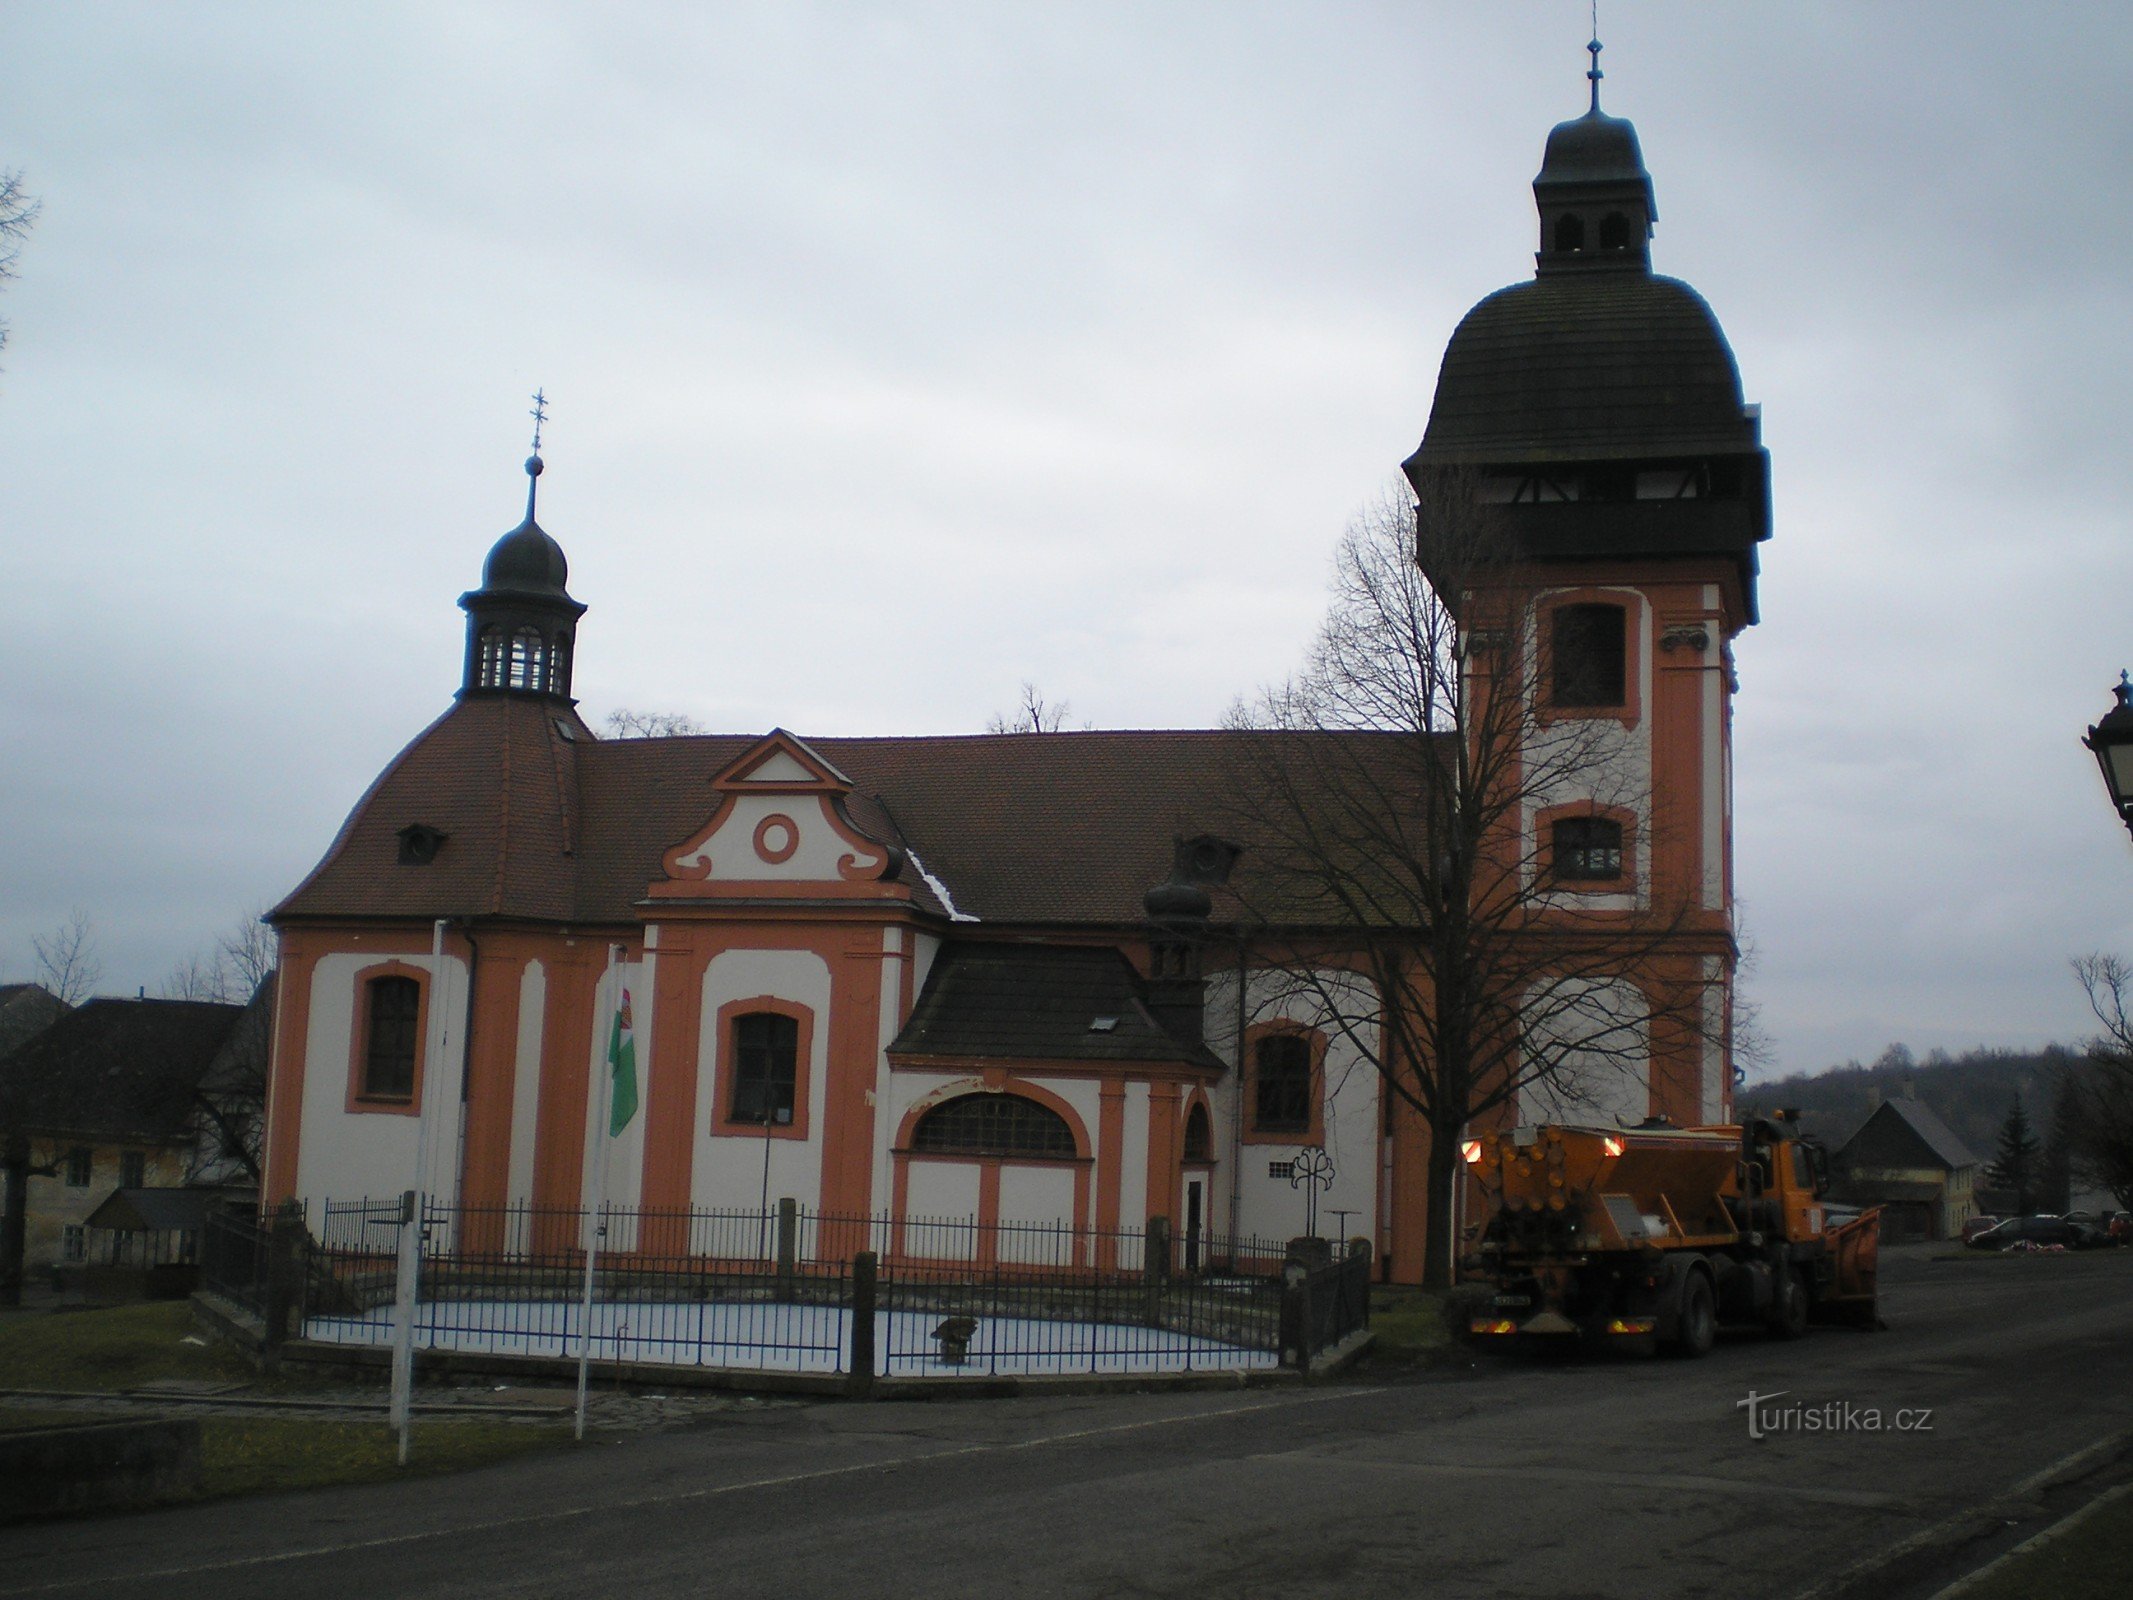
<point>1653,1236</point>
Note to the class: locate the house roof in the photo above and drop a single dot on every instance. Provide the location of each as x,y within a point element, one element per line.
<point>1919,1119</point>
<point>159,1210</point>
<point>987,1001</point>
<point>26,1009</point>
<point>544,821</point>
<point>117,1069</point>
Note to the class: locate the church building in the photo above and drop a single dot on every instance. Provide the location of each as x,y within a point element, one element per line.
<point>1005,977</point>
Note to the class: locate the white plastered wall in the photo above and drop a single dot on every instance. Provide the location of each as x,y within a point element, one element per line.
<point>370,1155</point>
<point>728,1170</point>
<point>1599,1033</point>
<point>1600,762</point>
<point>1272,1207</point>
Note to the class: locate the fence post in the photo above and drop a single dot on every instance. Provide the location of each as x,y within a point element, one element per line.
<point>788,1247</point>
<point>1155,1270</point>
<point>285,1275</point>
<point>1295,1333</point>
<point>859,1369</point>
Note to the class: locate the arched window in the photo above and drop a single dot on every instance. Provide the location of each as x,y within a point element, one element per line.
<point>1614,231</point>
<point>993,1125</point>
<point>489,672</point>
<point>529,660</point>
<point>1585,849</point>
<point>559,665</point>
<point>1199,1137</point>
<point>766,1056</point>
<point>1569,233</point>
<point>1588,655</point>
<point>1281,1083</point>
<point>392,1006</point>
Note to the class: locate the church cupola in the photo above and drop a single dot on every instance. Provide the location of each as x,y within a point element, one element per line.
<point>1595,198</point>
<point>522,622</point>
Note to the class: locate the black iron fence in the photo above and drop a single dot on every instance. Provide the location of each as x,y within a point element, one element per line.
<point>233,1260</point>
<point>788,1289</point>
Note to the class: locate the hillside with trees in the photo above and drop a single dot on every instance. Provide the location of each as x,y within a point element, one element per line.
<point>1972,1093</point>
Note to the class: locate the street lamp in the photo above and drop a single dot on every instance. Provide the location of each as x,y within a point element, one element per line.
<point>2112,741</point>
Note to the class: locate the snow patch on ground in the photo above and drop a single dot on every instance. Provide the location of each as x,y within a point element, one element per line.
<point>796,1338</point>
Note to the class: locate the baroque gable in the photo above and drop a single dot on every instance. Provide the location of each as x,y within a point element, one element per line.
<point>780,827</point>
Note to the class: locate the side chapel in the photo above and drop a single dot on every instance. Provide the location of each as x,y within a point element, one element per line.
<point>930,976</point>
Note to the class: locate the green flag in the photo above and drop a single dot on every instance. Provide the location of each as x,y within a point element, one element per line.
<point>622,1068</point>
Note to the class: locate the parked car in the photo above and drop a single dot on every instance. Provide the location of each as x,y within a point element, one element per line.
<point>2061,1231</point>
<point>1977,1225</point>
<point>2120,1227</point>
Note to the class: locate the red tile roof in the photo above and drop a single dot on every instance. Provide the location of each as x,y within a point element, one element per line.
<point>1041,829</point>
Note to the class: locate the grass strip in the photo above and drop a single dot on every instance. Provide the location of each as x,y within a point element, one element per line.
<point>111,1348</point>
<point>261,1455</point>
<point>1406,1324</point>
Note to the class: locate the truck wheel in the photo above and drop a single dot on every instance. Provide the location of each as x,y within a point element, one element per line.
<point>1788,1316</point>
<point>1697,1327</point>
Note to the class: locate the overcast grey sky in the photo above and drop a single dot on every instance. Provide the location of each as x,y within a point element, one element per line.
<point>902,353</point>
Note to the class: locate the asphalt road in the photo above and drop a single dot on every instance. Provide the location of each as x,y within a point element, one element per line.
<point>1621,1478</point>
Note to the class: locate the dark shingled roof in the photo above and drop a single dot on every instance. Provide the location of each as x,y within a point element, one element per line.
<point>1045,829</point>
<point>26,1010</point>
<point>158,1210</point>
<point>1038,1002</point>
<point>117,1069</point>
<point>1918,1120</point>
<point>1589,367</point>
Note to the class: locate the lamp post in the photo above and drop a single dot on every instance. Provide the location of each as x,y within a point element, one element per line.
<point>2111,740</point>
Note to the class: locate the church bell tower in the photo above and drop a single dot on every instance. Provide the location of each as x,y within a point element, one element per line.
<point>522,622</point>
<point>1594,416</point>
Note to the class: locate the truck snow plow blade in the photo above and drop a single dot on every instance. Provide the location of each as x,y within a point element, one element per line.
<point>1855,1252</point>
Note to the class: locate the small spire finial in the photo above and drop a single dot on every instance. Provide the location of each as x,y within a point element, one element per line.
<point>1593,72</point>
<point>539,414</point>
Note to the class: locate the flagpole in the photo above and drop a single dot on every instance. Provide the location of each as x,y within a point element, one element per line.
<point>602,1080</point>
<point>408,1265</point>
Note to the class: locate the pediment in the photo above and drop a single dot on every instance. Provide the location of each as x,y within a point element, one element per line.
<point>781,761</point>
<point>779,828</point>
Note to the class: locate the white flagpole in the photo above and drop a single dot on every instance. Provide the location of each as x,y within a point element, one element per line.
<point>408,1267</point>
<point>603,1089</point>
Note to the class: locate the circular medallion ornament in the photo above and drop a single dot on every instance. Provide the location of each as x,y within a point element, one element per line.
<point>777,836</point>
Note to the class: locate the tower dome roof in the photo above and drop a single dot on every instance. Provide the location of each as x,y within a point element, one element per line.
<point>1587,366</point>
<point>526,561</point>
<point>1594,148</point>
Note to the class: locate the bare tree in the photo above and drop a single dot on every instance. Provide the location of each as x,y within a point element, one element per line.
<point>624,723</point>
<point>1033,715</point>
<point>67,960</point>
<point>229,1101</point>
<point>232,969</point>
<point>18,214</point>
<point>1397,883</point>
<point>2100,1151</point>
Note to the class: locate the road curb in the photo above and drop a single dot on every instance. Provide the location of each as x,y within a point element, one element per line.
<point>2066,1524</point>
<point>1972,1522</point>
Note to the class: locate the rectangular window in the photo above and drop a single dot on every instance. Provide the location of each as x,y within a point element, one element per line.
<point>1586,849</point>
<point>81,1166</point>
<point>1281,1169</point>
<point>389,1056</point>
<point>766,1047</point>
<point>1281,1086</point>
<point>133,1169</point>
<point>74,1242</point>
<point>1589,656</point>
